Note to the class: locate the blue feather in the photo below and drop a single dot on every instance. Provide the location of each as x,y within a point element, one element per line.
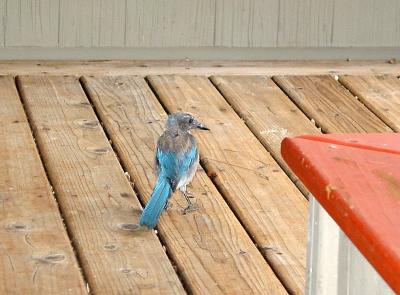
<point>172,168</point>
<point>156,205</point>
<point>176,165</point>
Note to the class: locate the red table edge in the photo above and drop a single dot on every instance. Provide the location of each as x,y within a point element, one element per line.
<point>352,226</point>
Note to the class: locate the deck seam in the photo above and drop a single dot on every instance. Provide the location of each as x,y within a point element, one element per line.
<point>220,191</point>
<point>134,188</point>
<point>361,101</point>
<point>255,134</point>
<point>296,104</point>
<point>43,162</point>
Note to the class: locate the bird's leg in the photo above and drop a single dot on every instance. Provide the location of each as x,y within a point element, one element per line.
<point>188,194</point>
<point>168,205</point>
<point>191,206</point>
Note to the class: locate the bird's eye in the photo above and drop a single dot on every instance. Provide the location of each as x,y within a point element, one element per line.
<point>191,120</point>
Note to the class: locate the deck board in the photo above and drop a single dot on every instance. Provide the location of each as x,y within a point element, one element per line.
<point>332,107</point>
<point>198,67</point>
<point>268,204</point>
<point>35,252</point>
<point>212,251</point>
<point>247,191</point>
<point>381,94</point>
<point>96,198</point>
<point>268,112</point>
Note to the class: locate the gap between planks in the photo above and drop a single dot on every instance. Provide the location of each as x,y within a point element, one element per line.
<point>380,94</point>
<point>134,187</point>
<point>331,105</point>
<point>33,234</point>
<point>135,119</point>
<point>267,112</point>
<point>98,201</point>
<point>252,185</point>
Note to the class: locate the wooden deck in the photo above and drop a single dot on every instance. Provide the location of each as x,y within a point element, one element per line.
<point>77,168</point>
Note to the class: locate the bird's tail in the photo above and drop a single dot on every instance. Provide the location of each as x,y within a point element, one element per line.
<point>157,202</point>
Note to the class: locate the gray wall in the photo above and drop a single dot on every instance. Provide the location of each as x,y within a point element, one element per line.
<point>198,23</point>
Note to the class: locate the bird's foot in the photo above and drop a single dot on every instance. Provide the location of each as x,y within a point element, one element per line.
<point>190,208</point>
<point>189,195</point>
<point>167,206</point>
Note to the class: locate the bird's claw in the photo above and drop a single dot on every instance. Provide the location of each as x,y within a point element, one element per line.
<point>190,208</point>
<point>189,195</point>
<point>168,206</point>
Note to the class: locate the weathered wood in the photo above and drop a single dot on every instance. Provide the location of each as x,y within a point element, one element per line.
<point>35,251</point>
<point>31,23</point>
<point>206,67</point>
<point>249,23</point>
<point>268,112</point>
<point>381,94</point>
<point>92,23</point>
<point>370,23</point>
<point>268,204</point>
<point>2,21</point>
<point>211,249</point>
<point>188,23</point>
<point>97,201</point>
<point>332,107</point>
<point>306,23</point>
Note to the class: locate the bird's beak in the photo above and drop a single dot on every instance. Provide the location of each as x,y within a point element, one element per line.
<point>201,126</point>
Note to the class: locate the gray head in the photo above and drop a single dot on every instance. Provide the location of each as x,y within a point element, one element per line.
<point>183,122</point>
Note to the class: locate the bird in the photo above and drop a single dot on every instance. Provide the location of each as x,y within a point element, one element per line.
<point>176,162</point>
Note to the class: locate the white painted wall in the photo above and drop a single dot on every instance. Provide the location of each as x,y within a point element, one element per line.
<point>335,265</point>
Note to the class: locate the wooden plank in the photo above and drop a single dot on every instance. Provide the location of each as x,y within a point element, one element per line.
<point>212,251</point>
<point>332,107</point>
<point>380,94</point>
<point>267,111</point>
<point>306,23</point>
<point>196,67</point>
<point>273,211</point>
<point>31,23</point>
<point>92,23</point>
<point>250,23</point>
<point>35,252</point>
<point>97,200</point>
<point>369,23</point>
<point>187,23</point>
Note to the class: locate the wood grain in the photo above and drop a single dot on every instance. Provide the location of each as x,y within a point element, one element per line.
<point>212,251</point>
<point>31,23</point>
<point>2,21</point>
<point>381,94</point>
<point>306,23</point>
<point>268,112</point>
<point>179,23</point>
<point>97,201</point>
<point>35,252</point>
<point>370,23</point>
<point>197,67</point>
<point>92,23</point>
<point>249,23</point>
<point>268,204</point>
<point>200,23</point>
<point>332,107</point>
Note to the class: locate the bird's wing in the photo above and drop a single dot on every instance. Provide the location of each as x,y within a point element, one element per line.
<point>175,165</point>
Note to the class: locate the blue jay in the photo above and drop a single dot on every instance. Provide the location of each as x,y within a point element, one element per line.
<point>176,161</point>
